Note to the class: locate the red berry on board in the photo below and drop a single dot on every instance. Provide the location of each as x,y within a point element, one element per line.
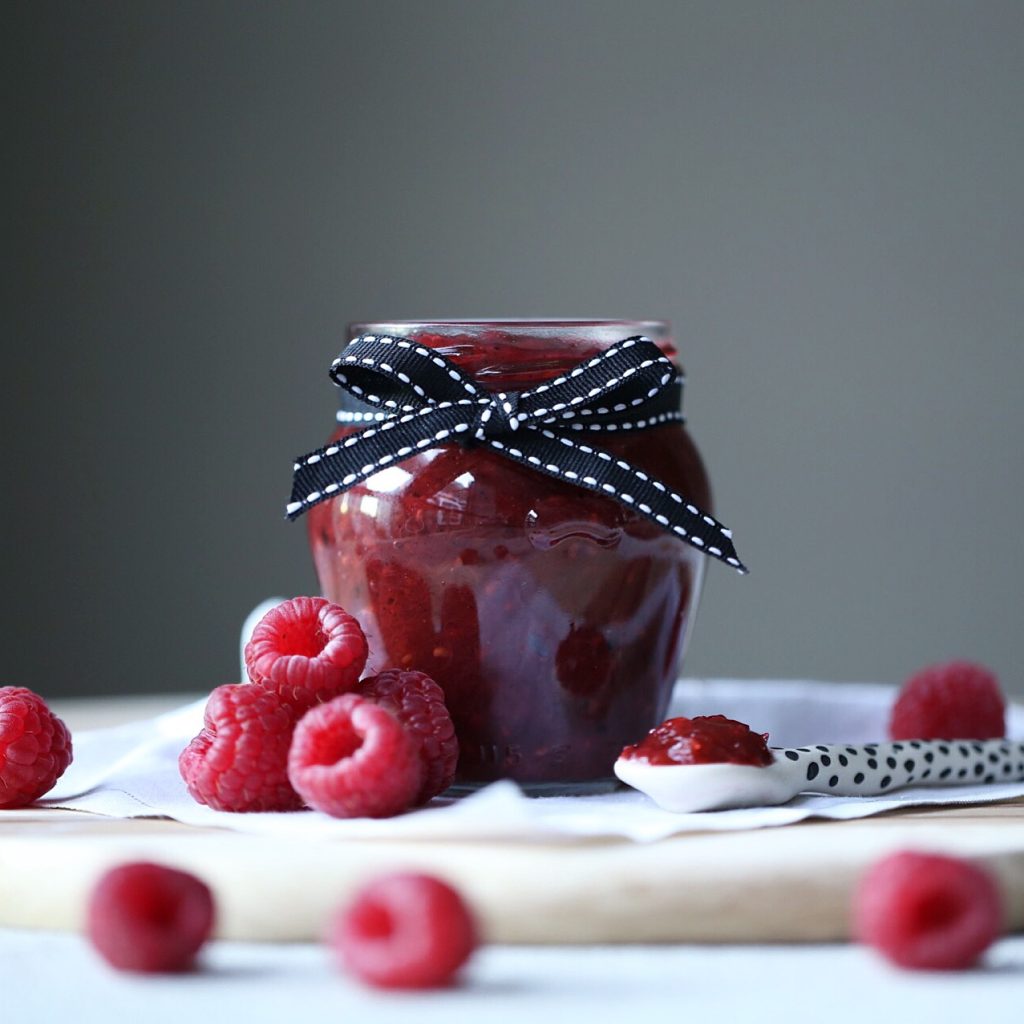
<point>307,650</point>
<point>351,758</point>
<point>418,703</point>
<point>928,911</point>
<point>404,931</point>
<point>955,701</point>
<point>239,761</point>
<point>148,917</point>
<point>35,747</point>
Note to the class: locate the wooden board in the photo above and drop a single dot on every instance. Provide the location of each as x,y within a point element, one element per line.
<point>788,884</point>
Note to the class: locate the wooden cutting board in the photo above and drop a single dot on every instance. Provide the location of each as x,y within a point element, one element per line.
<point>789,884</point>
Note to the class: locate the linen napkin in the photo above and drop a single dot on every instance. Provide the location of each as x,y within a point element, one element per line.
<point>131,771</point>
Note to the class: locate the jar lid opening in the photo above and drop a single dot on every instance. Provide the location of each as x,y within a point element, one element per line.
<point>594,329</point>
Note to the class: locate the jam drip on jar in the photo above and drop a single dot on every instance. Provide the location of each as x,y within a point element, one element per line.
<point>706,739</point>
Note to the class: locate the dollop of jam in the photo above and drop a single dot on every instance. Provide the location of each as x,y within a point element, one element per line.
<point>706,739</point>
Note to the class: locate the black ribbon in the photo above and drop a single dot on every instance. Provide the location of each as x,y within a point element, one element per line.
<point>415,399</point>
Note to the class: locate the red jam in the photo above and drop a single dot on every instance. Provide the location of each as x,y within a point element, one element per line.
<point>706,739</point>
<point>554,619</point>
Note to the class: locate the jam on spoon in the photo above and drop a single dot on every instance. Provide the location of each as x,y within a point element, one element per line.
<point>706,739</point>
<point>714,763</point>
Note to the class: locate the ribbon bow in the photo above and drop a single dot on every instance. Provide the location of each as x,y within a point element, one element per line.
<point>415,399</point>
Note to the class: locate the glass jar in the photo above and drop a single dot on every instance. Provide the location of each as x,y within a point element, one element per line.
<point>554,619</point>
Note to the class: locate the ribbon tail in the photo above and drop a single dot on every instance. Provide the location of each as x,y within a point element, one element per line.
<point>588,467</point>
<point>334,468</point>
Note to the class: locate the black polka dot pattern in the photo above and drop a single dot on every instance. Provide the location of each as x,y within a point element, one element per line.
<point>875,768</point>
<point>871,770</point>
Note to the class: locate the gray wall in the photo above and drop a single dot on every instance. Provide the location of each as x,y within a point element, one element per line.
<point>825,198</point>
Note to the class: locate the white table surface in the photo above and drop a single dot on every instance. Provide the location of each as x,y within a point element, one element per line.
<point>46,976</point>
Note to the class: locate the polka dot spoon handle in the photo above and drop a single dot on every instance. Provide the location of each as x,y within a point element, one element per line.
<point>868,769</point>
<point>874,768</point>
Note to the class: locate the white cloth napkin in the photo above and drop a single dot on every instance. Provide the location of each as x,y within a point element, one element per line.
<point>131,771</point>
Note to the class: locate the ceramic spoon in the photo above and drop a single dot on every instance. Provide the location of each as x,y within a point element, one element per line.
<point>866,770</point>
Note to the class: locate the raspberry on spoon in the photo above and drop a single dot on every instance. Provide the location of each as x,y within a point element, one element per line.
<point>35,747</point>
<point>307,650</point>
<point>151,918</point>
<point>404,931</point>
<point>239,761</point>
<point>351,758</point>
<point>418,703</point>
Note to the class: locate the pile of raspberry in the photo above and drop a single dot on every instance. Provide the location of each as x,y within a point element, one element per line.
<point>307,731</point>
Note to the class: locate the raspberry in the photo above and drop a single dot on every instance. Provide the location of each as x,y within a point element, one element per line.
<point>927,911</point>
<point>35,747</point>
<point>351,758</point>
<point>959,700</point>
<point>307,650</point>
<point>239,762</point>
<point>418,703</point>
<point>147,917</point>
<point>404,931</point>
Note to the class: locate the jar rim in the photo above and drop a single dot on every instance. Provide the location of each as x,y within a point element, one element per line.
<point>658,328</point>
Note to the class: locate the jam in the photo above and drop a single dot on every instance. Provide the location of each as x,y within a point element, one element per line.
<point>706,739</point>
<point>553,618</point>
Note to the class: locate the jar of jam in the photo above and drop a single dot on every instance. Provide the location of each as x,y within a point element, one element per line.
<point>554,618</point>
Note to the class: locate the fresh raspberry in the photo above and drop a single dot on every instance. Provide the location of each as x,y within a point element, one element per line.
<point>35,747</point>
<point>927,911</point>
<point>147,917</point>
<point>959,700</point>
<point>418,703</point>
<point>352,759</point>
<point>239,761</point>
<point>307,650</point>
<point>404,931</point>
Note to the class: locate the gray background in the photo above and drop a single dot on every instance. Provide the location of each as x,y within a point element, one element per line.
<point>825,199</point>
